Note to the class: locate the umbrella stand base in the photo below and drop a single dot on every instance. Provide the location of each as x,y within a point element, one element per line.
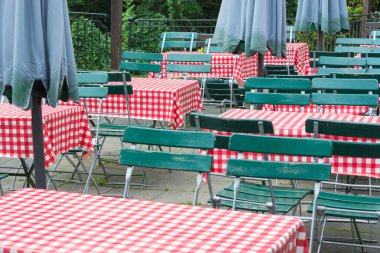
<point>38,142</point>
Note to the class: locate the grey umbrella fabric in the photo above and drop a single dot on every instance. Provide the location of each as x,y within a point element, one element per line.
<point>330,15</point>
<point>36,44</point>
<point>253,26</point>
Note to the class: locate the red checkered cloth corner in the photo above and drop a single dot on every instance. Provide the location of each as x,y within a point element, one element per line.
<point>35,220</point>
<point>357,110</point>
<point>167,100</point>
<point>221,66</point>
<point>292,124</point>
<point>64,128</point>
<point>297,54</point>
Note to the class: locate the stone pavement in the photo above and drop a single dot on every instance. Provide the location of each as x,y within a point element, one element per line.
<point>168,186</point>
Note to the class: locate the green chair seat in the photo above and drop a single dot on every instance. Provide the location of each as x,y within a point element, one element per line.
<point>350,202</point>
<point>282,192</point>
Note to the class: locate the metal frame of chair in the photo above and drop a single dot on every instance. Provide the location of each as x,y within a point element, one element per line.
<point>92,82</point>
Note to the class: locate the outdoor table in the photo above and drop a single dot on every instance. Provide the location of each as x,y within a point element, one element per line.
<point>221,66</point>
<point>292,124</point>
<point>167,100</point>
<point>297,54</point>
<point>64,128</point>
<point>35,220</point>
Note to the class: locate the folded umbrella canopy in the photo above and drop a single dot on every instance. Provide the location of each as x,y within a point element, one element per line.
<point>328,16</point>
<point>252,26</point>
<point>36,60</point>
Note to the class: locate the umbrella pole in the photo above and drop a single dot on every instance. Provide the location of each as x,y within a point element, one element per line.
<point>38,142</point>
<point>320,40</point>
<point>260,65</point>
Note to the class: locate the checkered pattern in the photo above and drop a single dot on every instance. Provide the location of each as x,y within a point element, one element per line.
<point>221,66</point>
<point>153,99</point>
<point>357,110</point>
<point>64,128</point>
<point>291,124</point>
<point>297,54</point>
<point>35,220</point>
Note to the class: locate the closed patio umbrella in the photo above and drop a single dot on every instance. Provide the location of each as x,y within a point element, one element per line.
<point>252,26</point>
<point>36,61</point>
<point>325,16</point>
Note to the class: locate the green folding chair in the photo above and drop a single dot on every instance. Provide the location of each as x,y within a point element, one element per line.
<point>141,63</point>
<point>332,202</point>
<point>94,120</point>
<point>188,64</point>
<point>275,200</point>
<point>277,91</point>
<point>187,41</point>
<point>173,160</point>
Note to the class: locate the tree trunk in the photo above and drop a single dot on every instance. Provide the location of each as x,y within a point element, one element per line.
<point>365,12</point>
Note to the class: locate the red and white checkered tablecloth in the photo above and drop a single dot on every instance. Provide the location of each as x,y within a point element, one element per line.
<point>167,100</point>
<point>35,220</point>
<point>297,54</point>
<point>292,124</point>
<point>64,128</point>
<point>221,66</point>
<point>357,110</point>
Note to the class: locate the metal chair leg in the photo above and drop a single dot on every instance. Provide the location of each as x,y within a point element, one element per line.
<point>90,178</point>
<point>198,184</point>
<point>128,176</point>
<point>1,189</point>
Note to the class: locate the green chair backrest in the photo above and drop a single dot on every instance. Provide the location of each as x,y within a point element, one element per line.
<point>317,54</point>
<point>168,138</point>
<point>373,71</point>
<point>348,129</point>
<point>280,146</point>
<point>93,92</point>
<point>296,91</point>
<point>340,84</point>
<point>216,123</point>
<point>344,99</point>
<point>373,62</point>
<point>91,78</point>
<point>331,71</point>
<point>284,84</point>
<point>211,47</point>
<point>184,40</point>
<point>277,98</point>
<point>141,62</point>
<point>353,41</point>
<point>310,77</point>
<point>341,62</point>
<point>354,50</point>
<point>358,76</point>
<point>376,43</point>
<point>119,89</point>
<point>342,92</point>
<point>178,63</point>
<point>118,76</point>
<point>375,34</point>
